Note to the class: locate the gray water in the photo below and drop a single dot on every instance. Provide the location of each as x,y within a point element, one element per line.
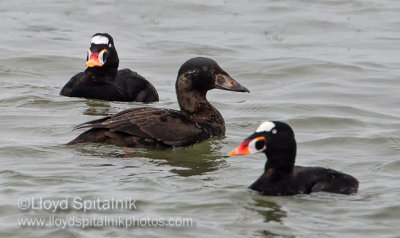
<point>330,69</point>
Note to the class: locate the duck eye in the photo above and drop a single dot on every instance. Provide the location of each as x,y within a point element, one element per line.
<point>192,73</point>
<point>274,131</point>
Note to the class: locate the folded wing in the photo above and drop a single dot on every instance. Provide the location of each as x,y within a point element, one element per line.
<point>168,126</point>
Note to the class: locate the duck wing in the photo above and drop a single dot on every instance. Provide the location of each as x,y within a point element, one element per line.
<point>168,126</point>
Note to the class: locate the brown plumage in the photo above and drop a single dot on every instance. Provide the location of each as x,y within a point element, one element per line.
<point>146,127</point>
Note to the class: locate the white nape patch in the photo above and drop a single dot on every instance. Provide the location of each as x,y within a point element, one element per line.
<point>99,40</point>
<point>266,126</point>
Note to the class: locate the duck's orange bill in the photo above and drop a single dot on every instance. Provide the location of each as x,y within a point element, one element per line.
<point>242,149</point>
<point>94,60</point>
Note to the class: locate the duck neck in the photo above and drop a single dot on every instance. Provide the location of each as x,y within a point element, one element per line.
<point>195,104</point>
<point>101,74</point>
<point>280,164</point>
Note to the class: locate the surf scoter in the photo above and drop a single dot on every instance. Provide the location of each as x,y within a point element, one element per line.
<point>145,127</point>
<point>276,140</point>
<point>102,79</point>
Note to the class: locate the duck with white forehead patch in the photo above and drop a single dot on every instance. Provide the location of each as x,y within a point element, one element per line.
<point>102,79</point>
<point>281,177</point>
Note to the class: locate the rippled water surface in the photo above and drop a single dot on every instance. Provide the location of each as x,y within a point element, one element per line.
<point>331,69</point>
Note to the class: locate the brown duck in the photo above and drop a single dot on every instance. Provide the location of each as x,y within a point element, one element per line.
<point>146,127</point>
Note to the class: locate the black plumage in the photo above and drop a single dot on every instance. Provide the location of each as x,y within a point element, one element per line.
<point>281,177</point>
<point>146,127</point>
<point>102,79</point>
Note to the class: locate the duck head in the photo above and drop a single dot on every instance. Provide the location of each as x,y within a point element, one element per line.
<point>203,74</point>
<point>102,52</point>
<point>273,138</point>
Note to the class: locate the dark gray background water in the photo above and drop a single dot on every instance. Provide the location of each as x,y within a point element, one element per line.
<point>330,69</point>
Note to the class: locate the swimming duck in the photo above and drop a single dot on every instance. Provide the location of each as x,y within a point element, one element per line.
<point>146,127</point>
<point>281,177</point>
<point>102,79</point>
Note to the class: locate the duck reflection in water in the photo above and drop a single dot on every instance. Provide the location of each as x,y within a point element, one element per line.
<point>194,160</point>
<point>97,108</point>
<point>271,212</point>
<point>186,161</point>
<point>104,108</point>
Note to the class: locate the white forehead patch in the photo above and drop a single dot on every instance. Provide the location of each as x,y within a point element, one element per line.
<point>99,40</point>
<point>266,126</point>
